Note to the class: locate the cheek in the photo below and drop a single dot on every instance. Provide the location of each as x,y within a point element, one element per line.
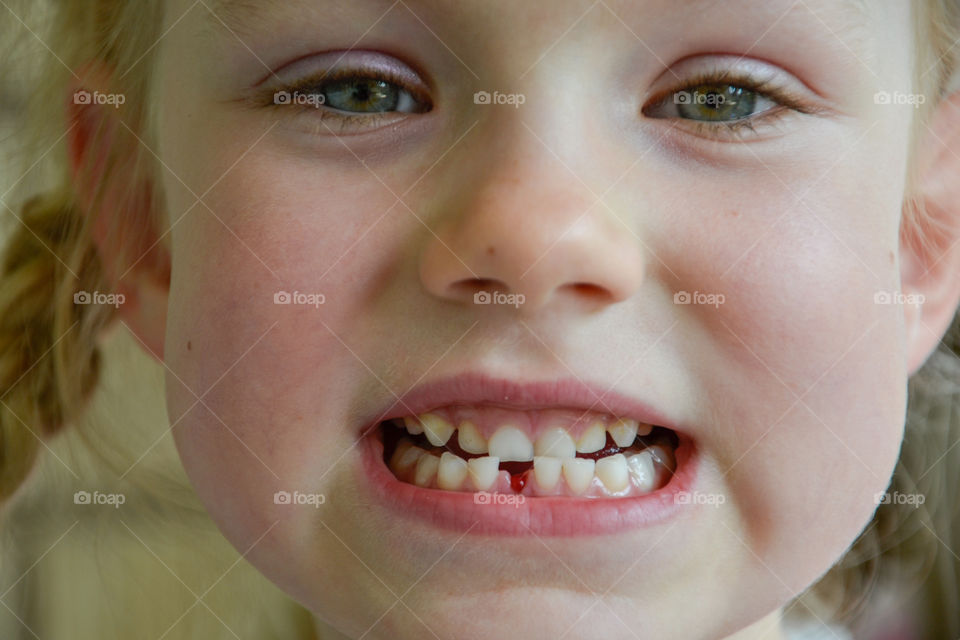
<point>809,408</point>
<point>278,383</point>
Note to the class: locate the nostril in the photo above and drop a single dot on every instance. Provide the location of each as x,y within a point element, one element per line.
<point>590,291</point>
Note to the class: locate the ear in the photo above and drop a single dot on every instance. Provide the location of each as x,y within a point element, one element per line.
<point>930,241</point>
<point>134,256</point>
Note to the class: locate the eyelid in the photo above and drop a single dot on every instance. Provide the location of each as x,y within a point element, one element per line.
<point>310,73</point>
<point>330,61</point>
<point>768,77</point>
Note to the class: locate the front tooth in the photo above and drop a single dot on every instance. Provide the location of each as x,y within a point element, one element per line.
<point>483,471</point>
<point>452,471</point>
<point>641,470</point>
<point>437,430</point>
<point>593,438</point>
<point>624,432</point>
<point>511,445</point>
<point>413,426</point>
<point>546,469</point>
<point>470,439</point>
<point>555,443</point>
<point>578,472</point>
<point>405,456</point>
<point>612,472</point>
<point>427,467</point>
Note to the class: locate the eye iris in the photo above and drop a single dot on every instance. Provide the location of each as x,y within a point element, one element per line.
<point>362,95</point>
<point>716,103</point>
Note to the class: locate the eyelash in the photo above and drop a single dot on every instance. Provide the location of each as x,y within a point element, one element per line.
<point>767,88</point>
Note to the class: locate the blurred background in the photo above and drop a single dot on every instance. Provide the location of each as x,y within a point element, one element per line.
<point>155,566</point>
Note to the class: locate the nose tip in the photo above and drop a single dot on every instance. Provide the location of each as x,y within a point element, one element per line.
<point>491,259</point>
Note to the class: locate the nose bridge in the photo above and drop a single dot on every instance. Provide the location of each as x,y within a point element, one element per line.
<point>524,212</point>
<point>524,223</point>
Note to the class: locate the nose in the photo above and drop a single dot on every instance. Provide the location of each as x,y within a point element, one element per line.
<point>539,236</point>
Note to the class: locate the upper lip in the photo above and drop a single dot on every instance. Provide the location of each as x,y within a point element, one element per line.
<point>481,389</point>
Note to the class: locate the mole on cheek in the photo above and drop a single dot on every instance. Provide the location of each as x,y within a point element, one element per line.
<point>189,346</point>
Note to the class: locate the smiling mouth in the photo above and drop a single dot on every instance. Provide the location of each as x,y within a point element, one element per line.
<point>538,453</point>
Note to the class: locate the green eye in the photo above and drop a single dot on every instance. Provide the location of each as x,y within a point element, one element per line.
<point>355,94</point>
<point>362,95</point>
<point>716,103</point>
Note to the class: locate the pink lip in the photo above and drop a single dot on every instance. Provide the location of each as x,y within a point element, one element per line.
<point>553,516</point>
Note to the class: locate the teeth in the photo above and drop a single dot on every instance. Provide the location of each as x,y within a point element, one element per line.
<point>592,439</point>
<point>663,457</point>
<point>413,426</point>
<point>483,471</point>
<point>437,430</point>
<point>555,443</point>
<point>612,472</point>
<point>405,457</point>
<point>511,445</point>
<point>402,448</point>
<point>642,471</point>
<point>624,432</point>
<point>547,471</point>
<point>644,429</point>
<point>427,467</point>
<point>578,472</point>
<point>452,471</point>
<point>469,438</point>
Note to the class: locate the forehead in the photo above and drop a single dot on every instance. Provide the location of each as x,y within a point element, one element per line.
<point>241,14</point>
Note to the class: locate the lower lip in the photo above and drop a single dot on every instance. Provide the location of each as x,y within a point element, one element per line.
<point>550,516</point>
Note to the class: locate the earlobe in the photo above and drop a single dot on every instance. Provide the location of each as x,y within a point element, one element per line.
<point>930,236</point>
<point>120,206</point>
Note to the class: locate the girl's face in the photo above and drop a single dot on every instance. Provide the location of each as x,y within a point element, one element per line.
<point>675,213</point>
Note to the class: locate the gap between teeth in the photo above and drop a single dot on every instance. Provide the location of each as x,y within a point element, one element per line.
<point>614,474</point>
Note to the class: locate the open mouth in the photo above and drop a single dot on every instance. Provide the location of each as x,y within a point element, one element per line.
<point>539,453</point>
<point>492,456</point>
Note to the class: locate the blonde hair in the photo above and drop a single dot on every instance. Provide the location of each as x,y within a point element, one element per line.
<point>49,354</point>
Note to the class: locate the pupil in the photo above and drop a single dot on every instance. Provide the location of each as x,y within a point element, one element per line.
<point>361,93</point>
